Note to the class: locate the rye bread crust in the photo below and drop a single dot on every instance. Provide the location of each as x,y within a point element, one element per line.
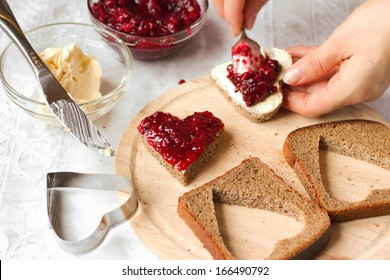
<point>253,184</point>
<point>362,139</point>
<point>185,177</point>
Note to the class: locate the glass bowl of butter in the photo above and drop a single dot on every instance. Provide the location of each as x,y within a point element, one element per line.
<point>93,65</point>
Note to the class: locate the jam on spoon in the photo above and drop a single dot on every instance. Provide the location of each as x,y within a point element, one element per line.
<point>252,72</point>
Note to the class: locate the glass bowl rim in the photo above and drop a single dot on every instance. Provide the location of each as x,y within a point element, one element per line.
<point>124,81</point>
<point>182,34</point>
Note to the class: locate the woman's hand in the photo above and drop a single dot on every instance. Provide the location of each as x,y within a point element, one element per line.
<point>351,67</point>
<point>238,13</point>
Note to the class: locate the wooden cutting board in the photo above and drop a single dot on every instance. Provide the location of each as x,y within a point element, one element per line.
<point>249,233</point>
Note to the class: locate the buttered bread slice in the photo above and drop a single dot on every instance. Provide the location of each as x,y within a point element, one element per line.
<point>260,111</point>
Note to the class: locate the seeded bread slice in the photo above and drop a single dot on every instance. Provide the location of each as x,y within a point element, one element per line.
<point>263,110</point>
<point>362,139</point>
<point>186,176</point>
<point>253,184</point>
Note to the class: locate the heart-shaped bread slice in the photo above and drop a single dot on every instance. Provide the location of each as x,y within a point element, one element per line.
<point>361,139</point>
<point>254,184</point>
<point>260,111</point>
<point>182,146</point>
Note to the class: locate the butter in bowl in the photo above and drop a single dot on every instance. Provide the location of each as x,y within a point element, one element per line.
<point>92,64</point>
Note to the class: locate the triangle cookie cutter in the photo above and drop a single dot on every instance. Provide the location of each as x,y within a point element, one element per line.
<point>58,181</point>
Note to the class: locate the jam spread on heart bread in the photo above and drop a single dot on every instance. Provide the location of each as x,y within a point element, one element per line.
<point>180,142</point>
<point>253,73</point>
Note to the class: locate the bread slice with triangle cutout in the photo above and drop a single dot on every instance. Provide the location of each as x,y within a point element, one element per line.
<point>364,140</point>
<point>253,184</point>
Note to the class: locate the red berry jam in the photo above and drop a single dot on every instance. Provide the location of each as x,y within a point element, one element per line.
<point>180,141</point>
<point>147,17</point>
<point>256,85</point>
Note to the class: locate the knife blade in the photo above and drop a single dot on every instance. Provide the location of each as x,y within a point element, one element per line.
<point>60,103</point>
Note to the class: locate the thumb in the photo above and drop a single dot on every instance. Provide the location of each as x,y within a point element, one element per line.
<point>312,66</point>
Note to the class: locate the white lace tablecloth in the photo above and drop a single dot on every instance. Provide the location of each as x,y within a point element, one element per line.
<point>29,148</point>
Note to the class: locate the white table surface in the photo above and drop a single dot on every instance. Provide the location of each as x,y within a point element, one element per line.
<point>29,149</point>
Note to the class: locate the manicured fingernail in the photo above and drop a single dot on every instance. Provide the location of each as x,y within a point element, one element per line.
<point>292,76</point>
<point>250,21</point>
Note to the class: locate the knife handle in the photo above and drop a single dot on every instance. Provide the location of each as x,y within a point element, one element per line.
<point>11,27</point>
<point>58,100</point>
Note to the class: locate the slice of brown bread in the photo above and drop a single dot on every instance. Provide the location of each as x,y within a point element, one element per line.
<point>186,176</point>
<point>182,146</point>
<point>362,139</point>
<point>254,184</point>
<point>263,110</point>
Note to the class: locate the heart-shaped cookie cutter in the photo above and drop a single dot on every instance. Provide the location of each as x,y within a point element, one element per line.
<point>58,181</point>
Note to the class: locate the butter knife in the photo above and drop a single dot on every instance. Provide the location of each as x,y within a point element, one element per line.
<point>58,100</point>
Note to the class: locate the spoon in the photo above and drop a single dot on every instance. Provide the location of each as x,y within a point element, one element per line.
<point>247,55</point>
<point>245,39</point>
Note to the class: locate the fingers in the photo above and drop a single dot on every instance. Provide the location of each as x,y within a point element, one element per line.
<point>232,13</point>
<point>315,62</point>
<point>333,92</point>
<point>347,69</point>
<point>318,98</point>
<point>299,51</point>
<point>315,102</point>
<point>218,5</point>
<point>238,13</point>
<point>251,10</point>
<point>323,96</point>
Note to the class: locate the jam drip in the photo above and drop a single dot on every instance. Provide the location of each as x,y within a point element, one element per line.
<point>180,142</point>
<point>147,17</point>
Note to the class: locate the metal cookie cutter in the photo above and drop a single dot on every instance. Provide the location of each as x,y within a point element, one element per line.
<point>57,182</point>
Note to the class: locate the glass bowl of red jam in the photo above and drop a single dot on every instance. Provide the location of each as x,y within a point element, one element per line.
<point>152,29</point>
